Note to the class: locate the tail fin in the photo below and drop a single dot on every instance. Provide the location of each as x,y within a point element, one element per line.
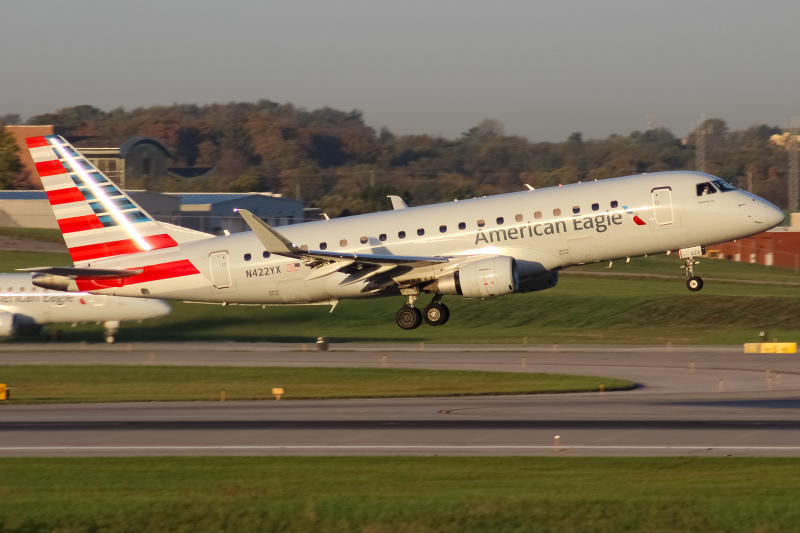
<point>96,218</point>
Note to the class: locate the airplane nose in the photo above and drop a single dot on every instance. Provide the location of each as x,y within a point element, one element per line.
<point>774,215</point>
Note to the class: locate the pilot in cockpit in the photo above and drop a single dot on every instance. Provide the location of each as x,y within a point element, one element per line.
<point>704,189</point>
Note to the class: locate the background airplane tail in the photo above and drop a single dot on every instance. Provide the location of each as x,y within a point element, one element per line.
<point>97,219</point>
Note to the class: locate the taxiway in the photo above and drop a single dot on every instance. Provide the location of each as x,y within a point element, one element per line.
<point>691,400</point>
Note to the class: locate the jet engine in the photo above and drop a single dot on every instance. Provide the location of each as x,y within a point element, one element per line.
<point>491,276</point>
<point>7,324</point>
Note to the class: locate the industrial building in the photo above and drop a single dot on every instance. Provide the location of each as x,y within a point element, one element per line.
<point>207,212</point>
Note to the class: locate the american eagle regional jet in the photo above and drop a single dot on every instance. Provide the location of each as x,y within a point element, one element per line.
<point>479,248</point>
<point>25,307</point>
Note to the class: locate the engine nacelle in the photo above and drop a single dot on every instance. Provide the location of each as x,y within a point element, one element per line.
<point>7,324</point>
<point>548,280</point>
<point>491,276</point>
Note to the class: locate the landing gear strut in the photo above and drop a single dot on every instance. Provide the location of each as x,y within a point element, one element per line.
<point>409,317</point>
<point>111,327</point>
<point>694,283</point>
<point>436,313</point>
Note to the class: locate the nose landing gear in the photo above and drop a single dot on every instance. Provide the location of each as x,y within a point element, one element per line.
<point>694,283</point>
<point>435,313</point>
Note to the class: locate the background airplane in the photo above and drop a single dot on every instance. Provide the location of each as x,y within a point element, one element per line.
<point>479,248</point>
<point>25,307</point>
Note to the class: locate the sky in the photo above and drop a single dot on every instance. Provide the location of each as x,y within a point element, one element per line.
<point>544,69</point>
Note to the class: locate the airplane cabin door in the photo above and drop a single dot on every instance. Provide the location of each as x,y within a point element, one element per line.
<point>220,272</point>
<point>662,206</point>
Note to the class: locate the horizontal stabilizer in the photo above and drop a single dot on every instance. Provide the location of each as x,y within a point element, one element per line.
<point>96,273</point>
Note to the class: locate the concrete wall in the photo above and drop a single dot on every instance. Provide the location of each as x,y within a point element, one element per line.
<point>27,214</point>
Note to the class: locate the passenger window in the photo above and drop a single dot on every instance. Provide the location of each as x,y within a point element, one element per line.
<point>265,255</point>
<point>382,237</point>
<point>401,234</point>
<point>420,232</point>
<point>442,229</point>
<point>481,223</point>
<point>500,220</point>
<point>557,212</point>
<point>364,240</point>
<point>462,225</point>
<point>518,218</point>
<point>614,204</point>
<point>247,257</point>
<point>343,242</point>
<point>537,214</point>
<point>704,189</point>
<point>323,246</point>
<point>595,207</point>
<point>576,210</point>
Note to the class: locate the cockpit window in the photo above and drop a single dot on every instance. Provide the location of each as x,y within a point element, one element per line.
<point>724,186</point>
<point>705,188</point>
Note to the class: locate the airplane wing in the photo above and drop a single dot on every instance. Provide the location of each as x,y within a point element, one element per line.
<point>275,243</point>
<point>96,273</point>
<point>397,202</point>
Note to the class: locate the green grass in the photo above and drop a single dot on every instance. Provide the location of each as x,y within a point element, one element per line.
<point>72,384</point>
<point>10,260</point>
<point>399,494</point>
<point>34,234</point>
<point>670,265</point>
<point>581,309</point>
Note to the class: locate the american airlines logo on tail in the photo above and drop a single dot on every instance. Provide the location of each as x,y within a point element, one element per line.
<point>96,218</point>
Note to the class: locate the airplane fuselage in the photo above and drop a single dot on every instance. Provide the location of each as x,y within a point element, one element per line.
<point>24,307</point>
<point>543,230</point>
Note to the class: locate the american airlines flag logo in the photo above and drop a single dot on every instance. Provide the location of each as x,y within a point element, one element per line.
<point>292,267</point>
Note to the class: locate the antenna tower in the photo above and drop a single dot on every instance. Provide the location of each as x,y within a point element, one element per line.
<point>792,142</point>
<point>700,145</point>
<point>650,123</point>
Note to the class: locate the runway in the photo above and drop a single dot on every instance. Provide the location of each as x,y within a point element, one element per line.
<point>700,401</point>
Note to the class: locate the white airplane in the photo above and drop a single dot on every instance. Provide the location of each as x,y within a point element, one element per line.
<point>24,307</point>
<point>479,248</point>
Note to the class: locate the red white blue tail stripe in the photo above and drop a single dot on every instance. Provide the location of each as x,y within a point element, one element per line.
<point>97,219</point>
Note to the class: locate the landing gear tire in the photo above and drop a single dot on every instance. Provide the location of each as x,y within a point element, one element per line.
<point>694,283</point>
<point>436,314</point>
<point>409,317</point>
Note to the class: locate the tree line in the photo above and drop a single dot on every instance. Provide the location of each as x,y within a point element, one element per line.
<point>333,160</point>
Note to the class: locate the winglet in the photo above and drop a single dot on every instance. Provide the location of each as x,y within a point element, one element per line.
<point>273,242</point>
<point>397,202</point>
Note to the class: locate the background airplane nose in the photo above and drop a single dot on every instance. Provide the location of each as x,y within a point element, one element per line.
<point>161,307</point>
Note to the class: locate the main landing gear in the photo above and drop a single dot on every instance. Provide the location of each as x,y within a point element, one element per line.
<point>434,314</point>
<point>694,283</point>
